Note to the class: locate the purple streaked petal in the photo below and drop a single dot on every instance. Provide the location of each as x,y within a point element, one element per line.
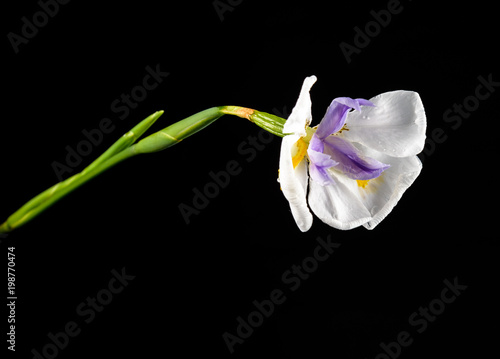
<point>363,102</point>
<point>334,118</point>
<point>336,114</point>
<point>351,161</point>
<point>349,102</point>
<point>321,159</point>
<point>319,163</point>
<point>316,144</point>
<point>320,175</point>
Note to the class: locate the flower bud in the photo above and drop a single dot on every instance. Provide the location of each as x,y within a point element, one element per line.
<point>178,131</point>
<point>268,122</point>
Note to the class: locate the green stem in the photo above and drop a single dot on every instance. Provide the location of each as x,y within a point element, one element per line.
<point>50,196</point>
<point>125,148</point>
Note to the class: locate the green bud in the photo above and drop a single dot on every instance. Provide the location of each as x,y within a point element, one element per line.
<point>268,122</point>
<point>271,123</point>
<point>178,131</point>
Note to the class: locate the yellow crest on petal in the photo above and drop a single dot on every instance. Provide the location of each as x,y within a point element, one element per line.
<point>362,183</point>
<point>301,152</point>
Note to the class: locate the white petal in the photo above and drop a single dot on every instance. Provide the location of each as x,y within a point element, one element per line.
<point>301,115</point>
<point>293,182</point>
<point>338,205</point>
<point>382,193</point>
<point>396,126</point>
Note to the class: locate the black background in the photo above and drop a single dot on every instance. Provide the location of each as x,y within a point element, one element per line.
<point>192,281</point>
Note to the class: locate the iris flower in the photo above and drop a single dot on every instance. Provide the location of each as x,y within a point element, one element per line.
<point>353,167</point>
<point>351,170</point>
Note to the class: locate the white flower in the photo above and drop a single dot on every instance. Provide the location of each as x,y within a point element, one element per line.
<point>353,168</point>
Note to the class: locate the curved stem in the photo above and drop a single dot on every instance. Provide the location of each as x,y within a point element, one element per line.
<point>125,148</point>
<point>50,196</point>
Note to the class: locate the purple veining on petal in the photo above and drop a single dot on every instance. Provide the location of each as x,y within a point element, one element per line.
<point>336,115</point>
<point>326,151</point>
<point>351,161</point>
<point>316,144</point>
<point>319,163</point>
<point>320,175</point>
<point>321,159</point>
